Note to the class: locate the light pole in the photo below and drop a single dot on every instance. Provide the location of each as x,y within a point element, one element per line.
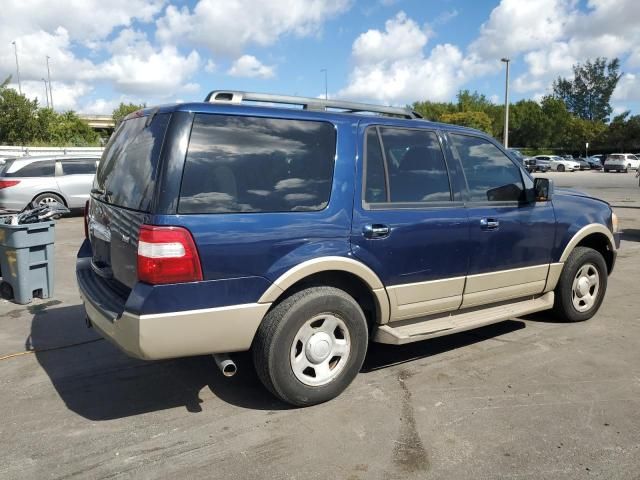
<point>506,104</point>
<point>15,48</point>
<point>46,92</point>
<point>49,79</point>
<point>325,83</point>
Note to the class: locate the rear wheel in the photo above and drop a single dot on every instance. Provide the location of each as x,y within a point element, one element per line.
<point>310,347</point>
<point>46,199</point>
<point>582,285</point>
<point>560,168</point>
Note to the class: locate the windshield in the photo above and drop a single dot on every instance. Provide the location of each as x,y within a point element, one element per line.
<point>127,172</point>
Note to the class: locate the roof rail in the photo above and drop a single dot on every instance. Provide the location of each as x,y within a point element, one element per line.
<point>307,103</point>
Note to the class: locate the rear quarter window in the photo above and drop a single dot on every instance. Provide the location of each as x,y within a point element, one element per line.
<point>241,164</point>
<point>45,168</point>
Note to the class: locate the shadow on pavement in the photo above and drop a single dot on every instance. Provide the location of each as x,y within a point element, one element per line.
<point>99,382</point>
<point>382,356</point>
<point>631,234</point>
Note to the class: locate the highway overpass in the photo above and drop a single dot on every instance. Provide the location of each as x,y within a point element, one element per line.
<point>99,122</point>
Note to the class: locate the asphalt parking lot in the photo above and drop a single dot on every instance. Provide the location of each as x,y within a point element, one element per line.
<point>527,398</point>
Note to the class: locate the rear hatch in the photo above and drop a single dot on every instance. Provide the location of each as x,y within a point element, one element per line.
<point>615,160</point>
<point>122,195</point>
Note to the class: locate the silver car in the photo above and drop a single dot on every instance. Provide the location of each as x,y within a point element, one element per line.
<point>37,180</point>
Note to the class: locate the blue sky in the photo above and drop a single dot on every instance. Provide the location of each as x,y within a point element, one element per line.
<point>384,51</point>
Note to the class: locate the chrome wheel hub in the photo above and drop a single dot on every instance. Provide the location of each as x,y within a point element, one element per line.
<point>585,288</point>
<point>320,350</point>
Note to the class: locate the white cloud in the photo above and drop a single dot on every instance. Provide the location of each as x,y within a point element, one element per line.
<point>65,95</point>
<point>515,26</point>
<point>250,66</point>
<point>390,66</point>
<point>162,73</point>
<point>628,89</point>
<point>210,67</point>
<point>553,35</point>
<point>402,38</point>
<point>228,26</point>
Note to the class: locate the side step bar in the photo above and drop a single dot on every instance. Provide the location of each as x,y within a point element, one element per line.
<point>418,329</point>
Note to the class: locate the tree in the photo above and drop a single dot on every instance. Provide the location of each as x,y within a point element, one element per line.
<point>433,110</point>
<point>18,123</point>
<point>125,109</point>
<point>477,120</point>
<point>587,96</point>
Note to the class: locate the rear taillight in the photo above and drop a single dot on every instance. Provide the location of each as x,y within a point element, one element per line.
<point>86,219</point>
<point>8,183</point>
<point>167,255</point>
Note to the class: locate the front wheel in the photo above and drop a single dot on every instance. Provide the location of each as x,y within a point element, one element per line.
<point>560,168</point>
<point>581,286</point>
<point>311,346</point>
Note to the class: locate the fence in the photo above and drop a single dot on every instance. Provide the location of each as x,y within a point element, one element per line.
<point>21,151</point>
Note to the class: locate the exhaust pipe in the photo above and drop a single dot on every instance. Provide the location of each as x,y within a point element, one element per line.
<point>225,364</point>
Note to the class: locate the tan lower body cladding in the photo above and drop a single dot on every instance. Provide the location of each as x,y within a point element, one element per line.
<point>428,298</point>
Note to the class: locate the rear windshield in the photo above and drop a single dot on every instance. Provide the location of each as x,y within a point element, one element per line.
<point>126,176</point>
<point>250,164</point>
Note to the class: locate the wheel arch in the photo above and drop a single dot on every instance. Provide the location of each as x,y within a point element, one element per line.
<point>352,276</point>
<point>595,236</point>
<point>53,192</point>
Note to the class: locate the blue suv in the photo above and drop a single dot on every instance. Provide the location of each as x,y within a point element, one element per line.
<point>302,234</point>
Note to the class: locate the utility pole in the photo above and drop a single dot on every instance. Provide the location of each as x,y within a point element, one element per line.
<point>506,105</point>
<point>326,96</point>
<point>46,91</point>
<point>49,79</point>
<point>15,48</point>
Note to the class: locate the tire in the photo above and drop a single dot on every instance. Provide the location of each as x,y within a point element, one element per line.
<point>44,198</point>
<point>569,305</point>
<point>285,337</point>
<point>560,168</point>
<point>626,170</point>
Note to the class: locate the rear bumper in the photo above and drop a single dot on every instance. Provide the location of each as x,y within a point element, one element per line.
<point>167,335</point>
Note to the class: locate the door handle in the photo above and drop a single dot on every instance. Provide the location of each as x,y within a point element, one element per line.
<point>489,224</point>
<point>376,231</point>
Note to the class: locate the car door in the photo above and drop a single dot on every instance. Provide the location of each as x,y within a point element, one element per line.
<point>75,177</point>
<point>408,224</point>
<point>510,239</point>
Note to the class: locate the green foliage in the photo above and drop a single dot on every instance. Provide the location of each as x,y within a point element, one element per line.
<point>124,109</point>
<point>477,120</point>
<point>587,96</point>
<point>22,122</point>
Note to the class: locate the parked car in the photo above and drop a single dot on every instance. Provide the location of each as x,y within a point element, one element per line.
<point>34,181</point>
<point>533,164</point>
<point>302,234</point>
<point>557,163</point>
<point>560,164</point>
<point>594,163</point>
<point>517,154</point>
<point>584,165</point>
<point>621,162</point>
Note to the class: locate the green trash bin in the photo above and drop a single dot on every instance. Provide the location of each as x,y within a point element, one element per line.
<point>27,260</point>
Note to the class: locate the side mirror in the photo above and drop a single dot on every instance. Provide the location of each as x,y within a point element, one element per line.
<point>542,189</point>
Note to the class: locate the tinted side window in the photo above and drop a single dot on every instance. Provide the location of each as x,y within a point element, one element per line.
<point>416,166</point>
<point>491,175</point>
<point>375,190</point>
<point>35,169</point>
<point>250,164</point>
<point>78,167</point>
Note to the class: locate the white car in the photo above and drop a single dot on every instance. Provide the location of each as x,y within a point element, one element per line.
<point>621,162</point>
<point>559,164</point>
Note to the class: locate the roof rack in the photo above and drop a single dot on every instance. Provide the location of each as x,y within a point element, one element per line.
<point>307,103</point>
